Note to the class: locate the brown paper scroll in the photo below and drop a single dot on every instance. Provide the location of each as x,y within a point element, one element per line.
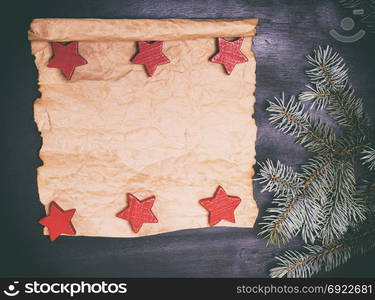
<point>113,130</point>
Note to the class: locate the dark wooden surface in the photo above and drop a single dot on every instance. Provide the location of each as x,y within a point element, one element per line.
<point>288,30</point>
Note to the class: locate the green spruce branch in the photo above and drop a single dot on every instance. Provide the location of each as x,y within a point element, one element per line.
<point>314,258</point>
<point>325,200</point>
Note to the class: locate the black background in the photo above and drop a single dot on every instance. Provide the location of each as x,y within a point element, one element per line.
<point>288,30</point>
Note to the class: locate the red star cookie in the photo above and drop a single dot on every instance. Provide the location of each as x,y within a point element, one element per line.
<point>150,55</point>
<point>221,206</point>
<point>58,221</point>
<point>66,58</point>
<point>229,54</point>
<point>138,212</point>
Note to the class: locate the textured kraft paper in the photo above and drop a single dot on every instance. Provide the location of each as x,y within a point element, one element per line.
<point>113,130</point>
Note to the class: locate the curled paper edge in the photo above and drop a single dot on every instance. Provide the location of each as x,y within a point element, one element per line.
<point>65,30</point>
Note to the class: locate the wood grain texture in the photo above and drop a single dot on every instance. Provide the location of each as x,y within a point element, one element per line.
<point>288,30</point>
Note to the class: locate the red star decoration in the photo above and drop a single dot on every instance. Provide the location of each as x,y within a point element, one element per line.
<point>58,221</point>
<point>150,55</point>
<point>138,212</point>
<point>229,54</point>
<point>66,58</point>
<point>220,206</point>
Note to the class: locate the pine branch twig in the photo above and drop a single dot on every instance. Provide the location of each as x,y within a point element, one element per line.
<point>315,258</point>
<point>324,202</point>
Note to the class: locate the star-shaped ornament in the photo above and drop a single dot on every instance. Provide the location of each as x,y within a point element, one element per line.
<point>221,206</point>
<point>229,54</point>
<point>138,212</point>
<point>58,221</point>
<point>66,58</point>
<point>150,55</point>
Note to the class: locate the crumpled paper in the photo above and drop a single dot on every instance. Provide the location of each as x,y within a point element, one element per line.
<point>113,130</point>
